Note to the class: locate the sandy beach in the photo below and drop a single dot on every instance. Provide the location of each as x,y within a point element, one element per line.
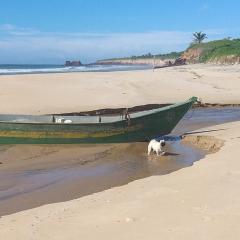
<point>119,120</point>
<point>32,176</point>
<point>200,201</point>
<point>70,92</point>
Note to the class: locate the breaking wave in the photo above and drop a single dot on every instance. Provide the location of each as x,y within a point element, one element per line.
<point>30,69</point>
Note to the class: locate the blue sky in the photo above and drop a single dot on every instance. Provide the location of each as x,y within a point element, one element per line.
<point>51,31</point>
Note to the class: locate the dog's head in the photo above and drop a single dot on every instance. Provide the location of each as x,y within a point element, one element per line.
<point>162,143</point>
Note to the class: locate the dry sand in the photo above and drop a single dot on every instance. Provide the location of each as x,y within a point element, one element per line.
<point>199,202</point>
<point>68,92</point>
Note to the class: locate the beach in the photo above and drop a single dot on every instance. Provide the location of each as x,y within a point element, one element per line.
<point>202,199</point>
<point>198,200</point>
<point>71,92</point>
<point>32,176</point>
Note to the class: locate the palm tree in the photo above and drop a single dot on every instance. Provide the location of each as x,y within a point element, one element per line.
<point>199,36</point>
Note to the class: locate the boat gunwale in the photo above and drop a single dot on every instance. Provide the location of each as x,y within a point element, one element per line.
<point>152,112</point>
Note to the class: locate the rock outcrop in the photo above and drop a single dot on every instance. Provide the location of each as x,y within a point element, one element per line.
<point>73,63</point>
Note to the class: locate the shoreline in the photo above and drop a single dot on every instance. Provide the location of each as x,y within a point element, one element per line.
<point>62,69</point>
<point>168,205</point>
<point>52,174</point>
<point>71,92</point>
<point>202,198</point>
<point>60,172</point>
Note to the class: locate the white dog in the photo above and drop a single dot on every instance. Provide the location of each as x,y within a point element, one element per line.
<point>156,146</point>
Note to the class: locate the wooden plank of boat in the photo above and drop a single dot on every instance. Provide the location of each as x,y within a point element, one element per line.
<point>138,126</point>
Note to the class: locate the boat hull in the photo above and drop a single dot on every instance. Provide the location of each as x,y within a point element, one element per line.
<point>143,128</point>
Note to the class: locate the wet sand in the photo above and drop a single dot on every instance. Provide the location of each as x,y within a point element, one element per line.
<point>202,199</point>
<point>56,175</point>
<point>198,202</point>
<point>31,176</point>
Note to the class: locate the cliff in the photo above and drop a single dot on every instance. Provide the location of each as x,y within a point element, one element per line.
<point>147,59</point>
<point>224,51</point>
<point>139,61</point>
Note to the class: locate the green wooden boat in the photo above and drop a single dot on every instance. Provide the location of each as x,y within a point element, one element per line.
<point>89,128</point>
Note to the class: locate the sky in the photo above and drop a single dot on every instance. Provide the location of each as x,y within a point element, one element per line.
<point>52,31</point>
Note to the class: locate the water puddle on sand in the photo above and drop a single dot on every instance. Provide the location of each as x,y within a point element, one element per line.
<point>205,117</point>
<point>23,187</point>
<point>31,176</point>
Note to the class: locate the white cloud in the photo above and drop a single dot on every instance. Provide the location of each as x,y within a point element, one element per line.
<point>24,45</point>
<point>38,46</point>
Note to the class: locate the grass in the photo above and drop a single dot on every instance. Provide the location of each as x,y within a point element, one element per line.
<point>214,50</point>
<point>172,55</point>
<point>210,51</point>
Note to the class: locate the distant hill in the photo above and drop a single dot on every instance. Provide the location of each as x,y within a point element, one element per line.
<point>224,51</point>
<point>172,55</point>
<point>158,59</point>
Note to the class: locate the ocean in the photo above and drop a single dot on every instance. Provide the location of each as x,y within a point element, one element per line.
<point>12,69</point>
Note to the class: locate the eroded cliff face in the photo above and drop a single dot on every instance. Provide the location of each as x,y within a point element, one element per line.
<point>198,55</point>
<point>141,61</point>
<point>231,59</point>
<point>224,51</point>
<point>192,55</point>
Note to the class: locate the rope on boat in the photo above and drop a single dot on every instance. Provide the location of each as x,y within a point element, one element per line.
<point>126,115</point>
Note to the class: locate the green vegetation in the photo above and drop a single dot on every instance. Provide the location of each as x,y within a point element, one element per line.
<point>198,37</point>
<point>171,55</point>
<point>214,50</point>
<point>226,50</point>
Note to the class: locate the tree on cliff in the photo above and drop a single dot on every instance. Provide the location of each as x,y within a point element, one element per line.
<point>198,37</point>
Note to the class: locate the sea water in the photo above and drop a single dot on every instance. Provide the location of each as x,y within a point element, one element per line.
<point>11,69</point>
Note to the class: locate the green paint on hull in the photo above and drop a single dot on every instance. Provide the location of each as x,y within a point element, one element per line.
<point>142,128</point>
